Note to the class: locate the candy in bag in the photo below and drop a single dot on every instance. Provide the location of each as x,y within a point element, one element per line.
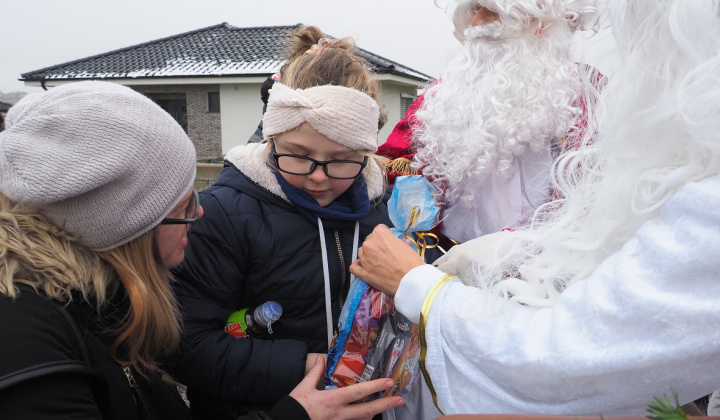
<point>374,340</point>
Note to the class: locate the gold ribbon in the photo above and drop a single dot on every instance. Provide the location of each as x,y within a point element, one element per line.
<point>424,313</point>
<point>401,166</point>
<point>421,243</point>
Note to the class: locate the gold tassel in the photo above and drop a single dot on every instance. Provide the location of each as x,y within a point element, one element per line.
<point>401,166</point>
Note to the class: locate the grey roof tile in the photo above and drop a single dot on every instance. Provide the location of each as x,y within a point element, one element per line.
<point>219,50</point>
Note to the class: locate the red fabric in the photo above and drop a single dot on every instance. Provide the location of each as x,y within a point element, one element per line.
<point>398,142</point>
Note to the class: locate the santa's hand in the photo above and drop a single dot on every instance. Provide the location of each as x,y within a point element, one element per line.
<point>461,259</point>
<point>383,260</point>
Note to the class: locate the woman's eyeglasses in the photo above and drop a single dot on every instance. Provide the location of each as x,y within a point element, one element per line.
<point>191,213</point>
<point>302,165</point>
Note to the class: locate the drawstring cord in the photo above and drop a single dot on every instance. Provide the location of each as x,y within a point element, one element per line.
<point>326,275</point>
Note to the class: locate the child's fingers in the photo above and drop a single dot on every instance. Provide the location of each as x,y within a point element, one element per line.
<point>369,409</point>
<point>314,375</point>
<point>359,391</point>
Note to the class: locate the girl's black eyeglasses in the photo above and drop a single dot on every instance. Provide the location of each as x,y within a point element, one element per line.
<point>303,165</point>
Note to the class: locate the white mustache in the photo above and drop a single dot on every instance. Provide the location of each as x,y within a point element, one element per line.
<point>493,31</point>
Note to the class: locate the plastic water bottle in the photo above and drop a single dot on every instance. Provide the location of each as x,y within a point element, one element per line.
<point>255,322</point>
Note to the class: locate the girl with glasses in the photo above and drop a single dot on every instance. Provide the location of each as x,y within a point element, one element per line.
<point>96,183</point>
<point>283,223</point>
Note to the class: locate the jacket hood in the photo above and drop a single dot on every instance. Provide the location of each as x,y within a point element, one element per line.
<point>251,160</point>
<point>56,263</point>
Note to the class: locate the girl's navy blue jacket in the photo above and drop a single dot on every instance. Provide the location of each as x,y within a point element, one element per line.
<point>252,246</point>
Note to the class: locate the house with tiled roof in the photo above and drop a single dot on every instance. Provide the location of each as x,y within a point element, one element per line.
<point>4,107</point>
<point>209,80</point>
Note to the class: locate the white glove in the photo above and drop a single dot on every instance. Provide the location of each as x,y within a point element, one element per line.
<point>461,258</point>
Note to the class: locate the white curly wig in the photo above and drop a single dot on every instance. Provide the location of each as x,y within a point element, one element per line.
<point>513,87</point>
<point>576,14</point>
<point>658,130</point>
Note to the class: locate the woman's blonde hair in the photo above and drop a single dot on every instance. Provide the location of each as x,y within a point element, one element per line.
<point>334,64</point>
<point>36,252</point>
<point>151,327</point>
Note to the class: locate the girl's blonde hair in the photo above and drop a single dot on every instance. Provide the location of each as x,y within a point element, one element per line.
<point>381,162</point>
<point>334,64</point>
<point>36,252</point>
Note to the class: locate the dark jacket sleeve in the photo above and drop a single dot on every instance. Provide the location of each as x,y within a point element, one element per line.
<point>209,286</point>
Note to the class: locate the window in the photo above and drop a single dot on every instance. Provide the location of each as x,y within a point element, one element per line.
<point>405,102</point>
<point>177,108</point>
<point>213,101</point>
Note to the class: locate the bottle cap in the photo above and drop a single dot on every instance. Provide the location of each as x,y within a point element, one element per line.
<point>267,313</point>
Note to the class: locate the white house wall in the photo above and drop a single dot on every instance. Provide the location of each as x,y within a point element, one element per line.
<point>391,99</point>
<point>240,112</point>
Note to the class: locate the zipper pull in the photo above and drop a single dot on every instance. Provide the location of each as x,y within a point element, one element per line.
<point>130,377</point>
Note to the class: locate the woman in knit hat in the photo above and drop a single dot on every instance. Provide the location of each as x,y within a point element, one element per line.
<point>282,223</point>
<point>96,199</point>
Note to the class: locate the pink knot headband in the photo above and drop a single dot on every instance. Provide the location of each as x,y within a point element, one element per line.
<point>345,115</point>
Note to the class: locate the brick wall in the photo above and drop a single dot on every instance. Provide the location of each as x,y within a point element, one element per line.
<point>203,126</point>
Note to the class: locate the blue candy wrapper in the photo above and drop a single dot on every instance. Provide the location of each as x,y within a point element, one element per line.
<point>374,340</point>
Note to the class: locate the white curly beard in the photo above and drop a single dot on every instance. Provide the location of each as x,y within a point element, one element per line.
<point>507,91</point>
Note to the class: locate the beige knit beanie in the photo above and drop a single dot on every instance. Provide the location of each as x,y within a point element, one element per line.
<point>344,115</point>
<point>99,159</point>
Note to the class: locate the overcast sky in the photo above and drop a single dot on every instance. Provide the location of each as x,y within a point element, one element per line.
<point>41,33</point>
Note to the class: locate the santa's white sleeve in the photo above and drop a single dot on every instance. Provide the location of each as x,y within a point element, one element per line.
<point>645,323</point>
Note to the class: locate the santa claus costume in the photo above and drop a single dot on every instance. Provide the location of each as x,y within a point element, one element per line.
<point>612,299</point>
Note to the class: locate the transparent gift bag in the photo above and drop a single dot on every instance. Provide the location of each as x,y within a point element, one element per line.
<point>374,340</point>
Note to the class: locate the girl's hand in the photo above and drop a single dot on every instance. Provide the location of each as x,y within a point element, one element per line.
<point>383,260</point>
<point>336,403</point>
